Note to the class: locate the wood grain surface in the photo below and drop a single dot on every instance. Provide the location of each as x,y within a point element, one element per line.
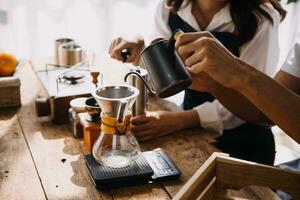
<point>44,161</point>
<point>16,164</point>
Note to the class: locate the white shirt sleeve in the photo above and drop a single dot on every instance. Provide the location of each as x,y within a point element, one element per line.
<point>215,117</point>
<point>161,28</point>
<point>292,63</point>
<point>261,52</point>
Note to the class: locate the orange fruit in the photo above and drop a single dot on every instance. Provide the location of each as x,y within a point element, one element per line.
<point>8,64</point>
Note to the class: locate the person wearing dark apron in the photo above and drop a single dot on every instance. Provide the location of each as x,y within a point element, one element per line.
<point>257,24</point>
<point>248,141</point>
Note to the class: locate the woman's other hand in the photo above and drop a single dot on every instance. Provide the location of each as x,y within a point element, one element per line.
<point>155,124</point>
<point>134,46</point>
<point>202,53</point>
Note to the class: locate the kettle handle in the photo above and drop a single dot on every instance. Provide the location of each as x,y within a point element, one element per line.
<point>173,38</point>
<point>138,75</point>
<point>125,54</point>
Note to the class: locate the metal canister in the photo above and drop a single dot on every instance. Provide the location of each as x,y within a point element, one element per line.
<point>74,124</point>
<point>140,105</point>
<point>59,42</point>
<point>77,106</point>
<point>70,54</point>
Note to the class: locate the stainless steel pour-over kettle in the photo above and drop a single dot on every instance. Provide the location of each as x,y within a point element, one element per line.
<point>165,68</point>
<point>139,107</point>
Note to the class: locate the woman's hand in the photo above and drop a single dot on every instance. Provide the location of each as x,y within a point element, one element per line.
<point>202,53</point>
<point>134,46</point>
<point>155,124</point>
<point>204,83</point>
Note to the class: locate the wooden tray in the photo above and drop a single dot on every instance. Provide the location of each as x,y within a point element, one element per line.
<point>221,173</point>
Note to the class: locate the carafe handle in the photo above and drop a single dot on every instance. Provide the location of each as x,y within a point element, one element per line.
<point>143,80</point>
<point>121,111</point>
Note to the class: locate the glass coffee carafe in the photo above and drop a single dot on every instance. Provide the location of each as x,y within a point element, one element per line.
<point>116,146</point>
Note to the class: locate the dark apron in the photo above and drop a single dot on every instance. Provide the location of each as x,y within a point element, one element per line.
<point>248,141</point>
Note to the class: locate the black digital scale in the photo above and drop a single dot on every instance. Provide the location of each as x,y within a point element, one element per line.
<point>150,166</point>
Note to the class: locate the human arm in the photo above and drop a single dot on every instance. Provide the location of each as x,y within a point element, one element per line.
<point>261,52</point>
<point>289,81</point>
<point>155,124</point>
<point>278,103</point>
<point>246,110</point>
<point>135,44</point>
<point>275,100</point>
<point>229,99</point>
<point>230,106</point>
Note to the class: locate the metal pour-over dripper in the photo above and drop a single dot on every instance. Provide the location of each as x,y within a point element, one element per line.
<point>115,147</point>
<point>115,101</point>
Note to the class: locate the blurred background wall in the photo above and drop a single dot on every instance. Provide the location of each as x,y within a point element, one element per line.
<point>28,28</point>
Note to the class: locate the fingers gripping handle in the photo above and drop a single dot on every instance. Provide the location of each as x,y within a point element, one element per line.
<point>177,33</point>
<point>174,37</point>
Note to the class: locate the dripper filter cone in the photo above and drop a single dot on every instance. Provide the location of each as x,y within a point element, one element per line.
<point>116,101</point>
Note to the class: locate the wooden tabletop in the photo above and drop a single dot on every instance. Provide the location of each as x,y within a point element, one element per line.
<point>41,160</point>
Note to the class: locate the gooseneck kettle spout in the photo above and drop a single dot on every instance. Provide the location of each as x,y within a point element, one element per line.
<point>142,79</point>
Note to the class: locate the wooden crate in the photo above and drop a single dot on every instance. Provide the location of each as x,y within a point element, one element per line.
<point>221,173</point>
<point>10,91</point>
